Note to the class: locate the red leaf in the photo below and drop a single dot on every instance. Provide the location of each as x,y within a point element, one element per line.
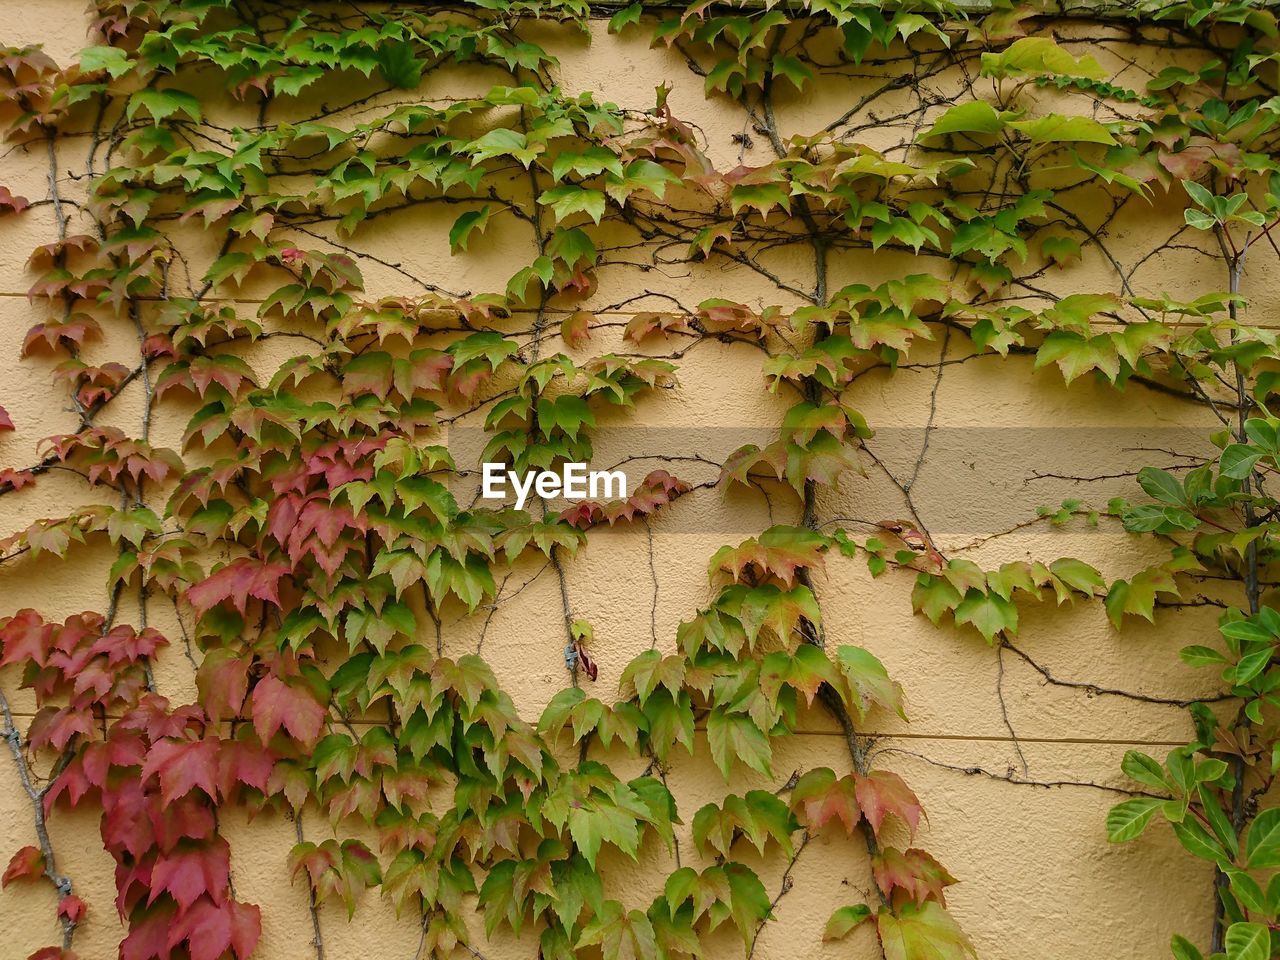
<point>243,762</point>
<point>55,728</point>
<point>237,582</point>
<point>881,793</point>
<point>6,422</point>
<point>820,797</point>
<point>148,938</point>
<point>27,862</point>
<point>191,872</point>
<point>182,766</point>
<point>127,818</point>
<point>914,872</point>
<point>16,479</point>
<point>587,664</point>
<point>53,953</point>
<point>223,682</point>
<point>10,202</point>
<point>189,818</point>
<point>575,330</point>
<point>71,908</point>
<point>210,930</point>
<point>275,704</point>
<point>25,636</point>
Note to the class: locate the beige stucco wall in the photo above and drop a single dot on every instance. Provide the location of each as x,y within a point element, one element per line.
<point>1038,878</point>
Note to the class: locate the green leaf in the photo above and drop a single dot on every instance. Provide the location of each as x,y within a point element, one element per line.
<point>1262,845</point>
<point>920,931</point>
<point>1199,841</point>
<point>1184,949</point>
<point>868,681</point>
<point>1127,820</point>
<point>792,69</point>
<point>114,60</point>
<point>977,116</point>
<point>162,104</point>
<point>844,920</point>
<point>1144,769</point>
<point>1248,941</point>
<point>398,64</point>
<point>1238,460</point>
<point>735,736</point>
<point>625,16</point>
<point>465,225</point>
<point>1040,56</point>
<point>1059,129</point>
<point>568,199</point>
<point>989,613</point>
<point>1161,485</point>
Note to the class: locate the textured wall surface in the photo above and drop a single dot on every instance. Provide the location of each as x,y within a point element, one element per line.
<point>1016,775</point>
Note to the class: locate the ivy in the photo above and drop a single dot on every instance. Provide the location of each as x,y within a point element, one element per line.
<point>313,533</point>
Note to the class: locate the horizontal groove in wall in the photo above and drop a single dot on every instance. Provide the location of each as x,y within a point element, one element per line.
<point>520,311</point>
<point>874,735</point>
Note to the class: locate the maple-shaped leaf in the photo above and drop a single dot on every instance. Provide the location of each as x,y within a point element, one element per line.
<point>882,792</point>
<point>868,682</point>
<point>845,920</point>
<point>820,797</point>
<point>212,931</point>
<point>27,862</point>
<point>11,203</point>
<point>223,682</point>
<point>621,935</point>
<point>71,909</point>
<point>239,581</point>
<point>650,670</point>
<point>805,671</point>
<point>53,953</point>
<point>575,329</point>
<point>913,872</point>
<point>922,930</point>
<point>757,817</point>
<point>276,704</point>
<point>645,325</point>
<point>191,871</point>
<point>780,551</point>
<point>6,422</point>
<point>149,931</point>
<point>735,736</point>
<point>182,766</point>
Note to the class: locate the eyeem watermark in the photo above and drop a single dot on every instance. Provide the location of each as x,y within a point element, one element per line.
<point>575,482</point>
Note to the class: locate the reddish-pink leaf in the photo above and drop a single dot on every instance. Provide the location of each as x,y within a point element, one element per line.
<point>820,797</point>
<point>276,704</point>
<point>914,872</point>
<point>211,930</point>
<point>183,766</point>
<point>27,862</point>
<point>575,330</point>
<point>881,793</point>
<point>148,938</point>
<point>53,953</point>
<point>192,871</point>
<point>71,908</point>
<point>223,682</point>
<point>10,203</point>
<point>238,581</point>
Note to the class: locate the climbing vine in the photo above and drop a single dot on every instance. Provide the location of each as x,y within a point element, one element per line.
<point>219,179</point>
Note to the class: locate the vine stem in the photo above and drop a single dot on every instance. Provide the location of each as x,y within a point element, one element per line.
<point>813,634</point>
<point>61,882</point>
<point>1221,882</point>
<point>317,939</point>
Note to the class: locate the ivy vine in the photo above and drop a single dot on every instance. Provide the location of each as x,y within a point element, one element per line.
<point>313,540</point>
